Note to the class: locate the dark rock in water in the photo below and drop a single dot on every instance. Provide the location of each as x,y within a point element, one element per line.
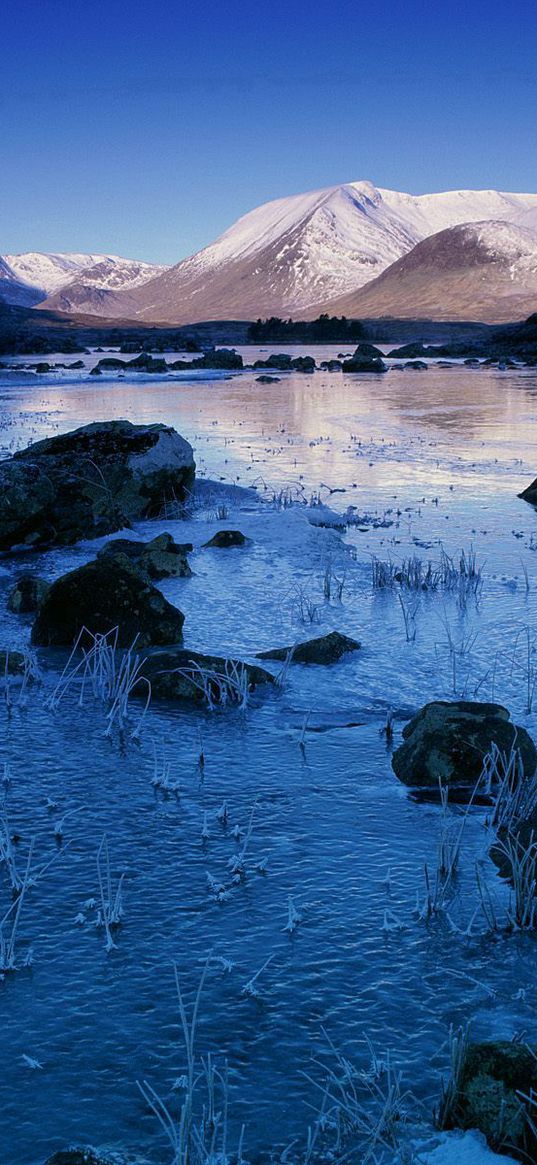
<point>279,360</point>
<point>409,351</point>
<point>160,558</point>
<point>96,371</point>
<point>80,1157</point>
<point>447,741</point>
<point>100,597</point>
<point>147,363</point>
<point>303,364</point>
<point>530,493</point>
<point>27,594</point>
<point>366,358</point>
<point>494,1075</point>
<point>416,365</point>
<point>224,539</point>
<point>268,379</point>
<point>175,675</point>
<point>90,482</point>
<point>220,358</point>
<point>331,365</point>
<point>324,649</point>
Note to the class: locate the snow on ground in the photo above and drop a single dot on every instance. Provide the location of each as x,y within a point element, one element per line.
<point>462,1149</point>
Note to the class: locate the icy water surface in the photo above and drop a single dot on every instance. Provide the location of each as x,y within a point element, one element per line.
<point>424,460</point>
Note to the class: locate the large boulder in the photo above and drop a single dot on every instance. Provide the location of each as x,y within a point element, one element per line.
<point>91,481</point>
<point>446,742</point>
<point>101,596</point>
<point>366,358</point>
<point>27,594</point>
<point>160,558</point>
<point>324,649</point>
<point>494,1075</point>
<point>179,675</point>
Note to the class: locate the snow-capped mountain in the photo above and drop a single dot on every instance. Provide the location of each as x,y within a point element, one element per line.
<point>294,255</point>
<point>32,277</point>
<point>483,271</point>
<point>13,291</point>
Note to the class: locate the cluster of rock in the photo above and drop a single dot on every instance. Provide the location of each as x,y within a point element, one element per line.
<point>219,358</point>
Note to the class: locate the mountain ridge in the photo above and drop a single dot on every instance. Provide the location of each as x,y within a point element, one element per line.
<point>32,277</point>
<point>485,271</point>
<point>292,256</point>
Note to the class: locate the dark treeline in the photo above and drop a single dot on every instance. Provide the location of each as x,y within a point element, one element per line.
<point>324,330</point>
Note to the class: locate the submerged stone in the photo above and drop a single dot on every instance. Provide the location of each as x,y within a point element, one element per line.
<point>101,596</point>
<point>12,663</point>
<point>91,481</point>
<point>27,594</point>
<point>324,649</point>
<point>447,741</point>
<point>224,539</point>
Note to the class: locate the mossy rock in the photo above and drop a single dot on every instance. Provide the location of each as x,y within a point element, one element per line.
<point>160,558</point>
<point>447,741</point>
<point>100,597</point>
<point>493,1076</point>
<point>90,482</point>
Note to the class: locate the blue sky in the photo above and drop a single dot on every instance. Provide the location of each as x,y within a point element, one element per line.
<point>146,129</point>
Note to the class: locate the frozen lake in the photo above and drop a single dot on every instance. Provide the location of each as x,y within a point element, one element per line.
<point>419,461</point>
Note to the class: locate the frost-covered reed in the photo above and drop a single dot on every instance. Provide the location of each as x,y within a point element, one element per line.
<point>110,915</point>
<point>198,1132</point>
<point>414,574</point>
<point>112,675</point>
<point>9,924</point>
<point>218,687</point>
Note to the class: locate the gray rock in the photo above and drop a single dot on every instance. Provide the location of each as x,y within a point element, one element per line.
<point>100,597</point>
<point>324,649</point>
<point>90,482</point>
<point>447,741</point>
